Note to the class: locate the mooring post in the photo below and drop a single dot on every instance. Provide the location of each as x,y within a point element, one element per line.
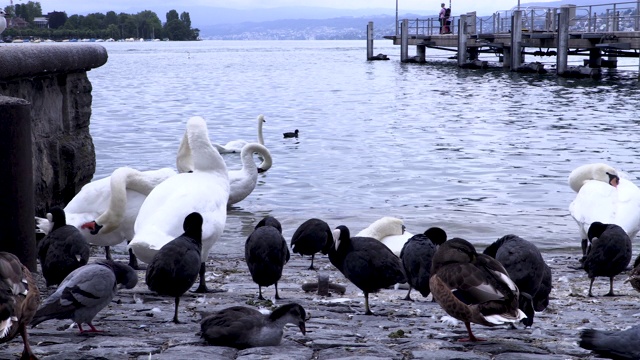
<point>17,209</point>
<point>516,39</point>
<point>563,40</point>
<point>370,40</point>
<point>462,40</point>
<point>404,40</point>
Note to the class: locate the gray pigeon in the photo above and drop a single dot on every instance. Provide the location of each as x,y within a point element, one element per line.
<point>612,344</point>
<point>63,250</point>
<point>85,292</point>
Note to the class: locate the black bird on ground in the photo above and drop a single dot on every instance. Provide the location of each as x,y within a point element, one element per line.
<point>526,267</point>
<point>293,134</point>
<point>612,344</point>
<point>175,267</point>
<point>366,262</point>
<point>266,252</point>
<point>86,291</point>
<point>19,300</point>
<point>313,236</point>
<point>63,250</point>
<point>242,327</point>
<point>472,287</point>
<point>416,257</point>
<point>609,253</point>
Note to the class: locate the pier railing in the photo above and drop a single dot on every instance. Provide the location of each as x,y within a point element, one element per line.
<point>618,16</point>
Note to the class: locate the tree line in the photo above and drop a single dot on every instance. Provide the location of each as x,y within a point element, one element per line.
<point>145,24</point>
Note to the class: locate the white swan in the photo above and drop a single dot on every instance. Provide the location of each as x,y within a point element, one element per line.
<point>3,21</point>
<point>390,231</point>
<point>105,210</point>
<point>604,195</point>
<point>235,146</point>
<point>241,182</point>
<point>205,190</point>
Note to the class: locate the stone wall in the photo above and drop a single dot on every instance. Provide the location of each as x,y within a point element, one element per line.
<point>53,78</point>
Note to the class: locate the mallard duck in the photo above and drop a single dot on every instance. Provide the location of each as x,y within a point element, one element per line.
<point>612,344</point>
<point>609,253</point>
<point>416,256</point>
<point>634,275</point>
<point>526,267</point>
<point>85,291</point>
<point>313,236</point>
<point>63,250</point>
<point>472,287</point>
<point>366,262</point>
<point>19,300</point>
<point>266,252</point>
<point>175,267</point>
<point>242,327</point>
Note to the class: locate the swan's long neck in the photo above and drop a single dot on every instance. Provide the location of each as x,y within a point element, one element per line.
<point>111,219</point>
<point>584,173</point>
<point>247,157</point>
<point>204,156</point>
<point>260,121</point>
<point>184,162</point>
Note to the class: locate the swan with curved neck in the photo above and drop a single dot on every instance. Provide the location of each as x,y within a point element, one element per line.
<point>204,190</point>
<point>235,146</point>
<point>390,231</point>
<point>243,181</point>
<point>605,196</point>
<point>113,202</point>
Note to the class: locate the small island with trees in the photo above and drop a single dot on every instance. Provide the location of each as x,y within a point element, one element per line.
<point>26,21</point>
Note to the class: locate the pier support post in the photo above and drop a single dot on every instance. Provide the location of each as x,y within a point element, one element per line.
<point>370,40</point>
<point>563,40</point>
<point>421,53</point>
<point>17,209</point>
<point>595,58</point>
<point>404,41</point>
<point>462,40</point>
<point>516,40</point>
<point>613,60</point>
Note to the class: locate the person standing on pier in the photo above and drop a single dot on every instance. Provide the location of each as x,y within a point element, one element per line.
<point>442,17</point>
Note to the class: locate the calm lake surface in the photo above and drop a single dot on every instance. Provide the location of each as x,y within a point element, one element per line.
<point>479,153</point>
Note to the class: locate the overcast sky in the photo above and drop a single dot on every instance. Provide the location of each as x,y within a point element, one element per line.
<point>159,6</point>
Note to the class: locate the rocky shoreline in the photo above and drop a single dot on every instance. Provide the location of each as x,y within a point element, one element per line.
<point>137,325</point>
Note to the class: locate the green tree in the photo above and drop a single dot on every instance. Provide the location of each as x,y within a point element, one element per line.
<point>186,19</point>
<point>176,30</point>
<point>111,18</point>
<point>28,11</point>
<point>57,19</point>
<point>172,15</point>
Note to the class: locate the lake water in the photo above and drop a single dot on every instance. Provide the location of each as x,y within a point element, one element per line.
<point>479,153</point>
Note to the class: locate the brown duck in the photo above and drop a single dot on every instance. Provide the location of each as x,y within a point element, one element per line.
<point>19,300</point>
<point>472,287</point>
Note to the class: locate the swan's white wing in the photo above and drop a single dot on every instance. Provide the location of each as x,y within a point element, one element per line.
<point>628,210</point>
<point>396,242</point>
<point>596,201</point>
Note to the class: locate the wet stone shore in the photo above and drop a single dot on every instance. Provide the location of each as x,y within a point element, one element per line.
<point>137,324</point>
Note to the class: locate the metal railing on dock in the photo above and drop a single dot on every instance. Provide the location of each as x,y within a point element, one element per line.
<point>602,33</point>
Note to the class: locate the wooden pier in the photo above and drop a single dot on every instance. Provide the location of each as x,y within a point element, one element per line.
<point>600,33</point>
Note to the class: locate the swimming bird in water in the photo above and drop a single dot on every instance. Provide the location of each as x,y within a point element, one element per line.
<point>242,327</point>
<point>366,262</point>
<point>472,287</point>
<point>293,134</point>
